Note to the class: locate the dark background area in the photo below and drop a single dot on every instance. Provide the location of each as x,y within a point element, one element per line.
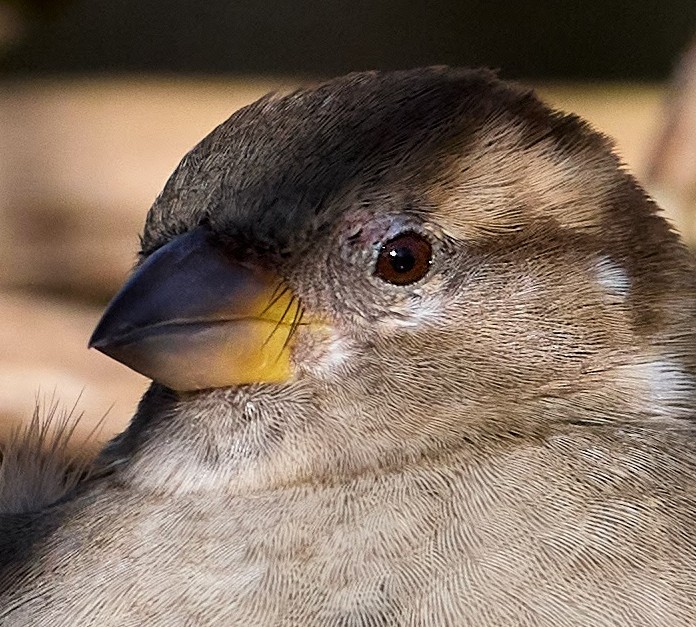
<point>596,39</point>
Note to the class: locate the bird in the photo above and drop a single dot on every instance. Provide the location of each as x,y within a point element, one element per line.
<point>422,353</point>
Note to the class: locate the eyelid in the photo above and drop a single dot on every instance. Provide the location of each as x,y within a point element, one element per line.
<point>362,241</point>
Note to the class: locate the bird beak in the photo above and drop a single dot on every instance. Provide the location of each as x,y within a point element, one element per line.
<point>191,318</point>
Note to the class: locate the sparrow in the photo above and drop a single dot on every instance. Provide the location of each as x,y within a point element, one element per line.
<point>422,352</point>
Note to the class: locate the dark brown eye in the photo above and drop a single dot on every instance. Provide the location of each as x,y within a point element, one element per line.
<point>404,259</point>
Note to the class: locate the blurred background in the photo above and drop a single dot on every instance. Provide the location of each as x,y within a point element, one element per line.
<point>99,99</point>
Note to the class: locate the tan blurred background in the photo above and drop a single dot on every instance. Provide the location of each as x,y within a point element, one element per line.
<point>83,153</point>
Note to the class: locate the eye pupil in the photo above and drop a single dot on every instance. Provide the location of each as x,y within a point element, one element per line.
<point>404,259</point>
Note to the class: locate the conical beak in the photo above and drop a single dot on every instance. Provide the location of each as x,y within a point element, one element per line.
<point>192,318</point>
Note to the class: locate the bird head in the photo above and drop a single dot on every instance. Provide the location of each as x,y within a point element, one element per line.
<point>388,265</point>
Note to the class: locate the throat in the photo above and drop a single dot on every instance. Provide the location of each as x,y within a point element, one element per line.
<point>233,441</point>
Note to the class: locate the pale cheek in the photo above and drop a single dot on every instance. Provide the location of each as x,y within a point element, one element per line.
<point>662,384</point>
<point>612,277</point>
<point>426,311</point>
<point>328,356</point>
<point>669,382</point>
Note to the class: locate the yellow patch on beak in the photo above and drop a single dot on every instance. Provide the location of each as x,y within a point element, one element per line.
<point>191,318</point>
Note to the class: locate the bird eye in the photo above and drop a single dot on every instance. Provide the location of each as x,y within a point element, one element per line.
<point>404,259</point>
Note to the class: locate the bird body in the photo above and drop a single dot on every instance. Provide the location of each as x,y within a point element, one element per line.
<point>477,408</point>
<point>447,541</point>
